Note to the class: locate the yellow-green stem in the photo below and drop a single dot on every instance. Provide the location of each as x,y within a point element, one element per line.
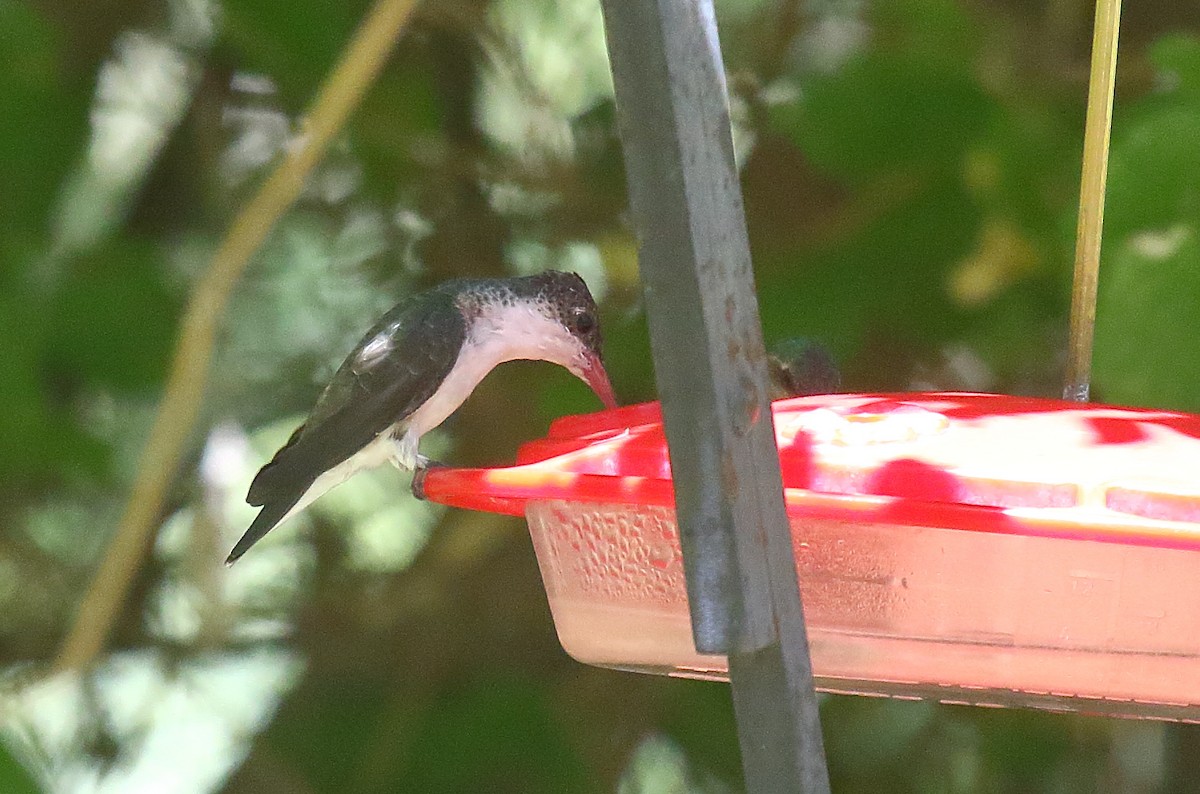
<point>1091,200</point>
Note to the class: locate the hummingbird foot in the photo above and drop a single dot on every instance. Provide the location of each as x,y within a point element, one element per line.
<point>424,464</point>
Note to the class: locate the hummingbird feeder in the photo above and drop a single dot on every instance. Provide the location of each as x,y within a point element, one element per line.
<point>972,548</point>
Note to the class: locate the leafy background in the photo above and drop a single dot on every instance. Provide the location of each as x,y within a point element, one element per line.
<point>910,171</point>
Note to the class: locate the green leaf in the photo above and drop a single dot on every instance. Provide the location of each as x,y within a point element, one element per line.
<point>35,435</point>
<point>399,117</point>
<point>114,321</point>
<point>1146,351</point>
<point>891,275</point>
<point>297,45</point>
<point>1152,173</point>
<point>883,112</point>
<point>875,733</point>
<point>14,779</point>
<point>1024,748</point>
<point>43,123</point>
<point>324,735</point>
<point>935,31</point>
<point>1177,58</point>
<point>499,735</point>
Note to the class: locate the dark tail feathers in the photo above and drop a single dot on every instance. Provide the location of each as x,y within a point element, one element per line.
<point>267,518</point>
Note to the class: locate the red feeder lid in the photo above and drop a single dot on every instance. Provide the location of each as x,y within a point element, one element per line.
<point>979,462</point>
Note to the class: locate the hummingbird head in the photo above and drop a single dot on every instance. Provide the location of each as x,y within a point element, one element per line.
<point>566,298</point>
<point>799,367</point>
<point>552,317</point>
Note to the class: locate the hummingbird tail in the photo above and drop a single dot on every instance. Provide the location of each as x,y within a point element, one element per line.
<point>264,522</point>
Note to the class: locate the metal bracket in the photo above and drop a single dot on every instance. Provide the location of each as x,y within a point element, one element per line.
<point>710,363</point>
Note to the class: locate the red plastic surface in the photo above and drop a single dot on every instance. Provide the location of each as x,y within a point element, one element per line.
<point>976,462</point>
<point>967,547</point>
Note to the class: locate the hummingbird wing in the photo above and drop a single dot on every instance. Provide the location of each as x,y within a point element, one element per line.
<point>392,371</point>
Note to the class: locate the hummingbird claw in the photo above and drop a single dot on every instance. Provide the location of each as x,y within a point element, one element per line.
<point>424,464</point>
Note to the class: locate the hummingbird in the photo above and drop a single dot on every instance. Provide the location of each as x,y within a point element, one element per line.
<point>413,369</point>
<point>799,367</point>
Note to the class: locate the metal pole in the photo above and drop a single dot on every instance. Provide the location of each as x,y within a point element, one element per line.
<point>710,364</point>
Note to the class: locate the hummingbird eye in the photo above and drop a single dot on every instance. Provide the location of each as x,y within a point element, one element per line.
<point>584,322</point>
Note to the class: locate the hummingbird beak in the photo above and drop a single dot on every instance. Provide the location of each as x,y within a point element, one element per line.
<point>595,376</point>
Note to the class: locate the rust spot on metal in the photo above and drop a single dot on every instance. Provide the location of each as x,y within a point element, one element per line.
<point>744,406</point>
<point>729,478</point>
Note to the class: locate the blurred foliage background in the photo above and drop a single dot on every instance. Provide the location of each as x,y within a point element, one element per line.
<point>910,170</point>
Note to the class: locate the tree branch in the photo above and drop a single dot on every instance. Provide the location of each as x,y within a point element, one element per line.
<point>180,407</point>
